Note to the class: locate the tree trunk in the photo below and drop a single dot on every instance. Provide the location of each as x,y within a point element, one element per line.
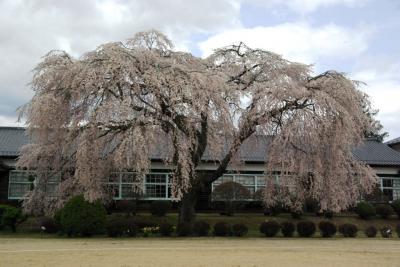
<point>187,212</point>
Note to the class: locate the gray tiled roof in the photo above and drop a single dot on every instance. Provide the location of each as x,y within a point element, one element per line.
<point>375,153</point>
<point>393,141</point>
<point>253,150</point>
<point>11,141</point>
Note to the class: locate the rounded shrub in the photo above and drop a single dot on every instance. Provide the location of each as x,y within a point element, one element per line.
<point>348,230</point>
<point>184,229</point>
<point>306,228</point>
<point>222,229</point>
<point>327,229</point>
<point>396,207</point>
<point>166,229</point>
<point>398,230</point>
<point>365,210</point>
<point>9,217</point>
<point>229,191</point>
<point>239,229</point>
<point>386,232</point>
<point>231,196</point>
<point>384,210</point>
<point>48,225</point>
<point>371,231</point>
<point>269,228</point>
<point>201,228</point>
<point>160,208</point>
<point>80,217</point>
<point>287,229</point>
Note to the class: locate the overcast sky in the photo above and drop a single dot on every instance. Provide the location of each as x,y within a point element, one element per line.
<point>359,37</point>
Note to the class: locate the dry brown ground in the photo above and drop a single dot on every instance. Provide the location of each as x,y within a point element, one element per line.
<point>198,252</point>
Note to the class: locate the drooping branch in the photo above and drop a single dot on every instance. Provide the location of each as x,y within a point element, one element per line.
<point>115,104</point>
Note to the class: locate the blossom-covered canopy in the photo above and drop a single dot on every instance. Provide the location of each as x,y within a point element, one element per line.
<point>107,109</point>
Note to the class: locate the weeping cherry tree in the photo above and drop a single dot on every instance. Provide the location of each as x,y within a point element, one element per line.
<point>111,108</point>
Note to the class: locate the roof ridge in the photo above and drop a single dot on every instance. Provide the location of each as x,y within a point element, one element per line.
<point>13,127</point>
<point>393,141</point>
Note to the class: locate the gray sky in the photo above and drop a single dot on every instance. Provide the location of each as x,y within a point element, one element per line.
<point>359,37</point>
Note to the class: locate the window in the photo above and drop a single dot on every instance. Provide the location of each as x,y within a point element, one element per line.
<point>390,187</point>
<point>124,185</point>
<point>155,191</point>
<point>156,178</point>
<point>158,185</point>
<point>21,182</point>
<point>387,182</point>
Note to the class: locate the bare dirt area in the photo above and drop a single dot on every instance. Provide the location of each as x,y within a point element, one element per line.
<point>198,252</point>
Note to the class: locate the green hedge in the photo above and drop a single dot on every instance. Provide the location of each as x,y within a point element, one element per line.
<point>365,210</point>
<point>10,217</point>
<point>80,217</point>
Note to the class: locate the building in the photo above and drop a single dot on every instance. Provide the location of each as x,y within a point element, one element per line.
<point>394,143</point>
<point>15,183</point>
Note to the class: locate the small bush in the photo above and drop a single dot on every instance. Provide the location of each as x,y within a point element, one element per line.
<point>160,208</point>
<point>239,229</point>
<point>384,210</point>
<point>306,228</point>
<point>328,229</point>
<point>229,191</point>
<point>48,225</point>
<point>269,228</point>
<point>222,229</point>
<point>79,217</point>
<point>287,229</point>
<point>348,230</point>
<point>231,194</point>
<point>398,230</point>
<point>386,232</point>
<point>365,210</point>
<point>184,229</point>
<point>396,207</point>
<point>115,226</point>
<point>201,228</point>
<point>166,229</point>
<point>9,217</point>
<point>371,231</point>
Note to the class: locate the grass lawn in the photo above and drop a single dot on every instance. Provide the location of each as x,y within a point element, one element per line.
<point>186,252</point>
